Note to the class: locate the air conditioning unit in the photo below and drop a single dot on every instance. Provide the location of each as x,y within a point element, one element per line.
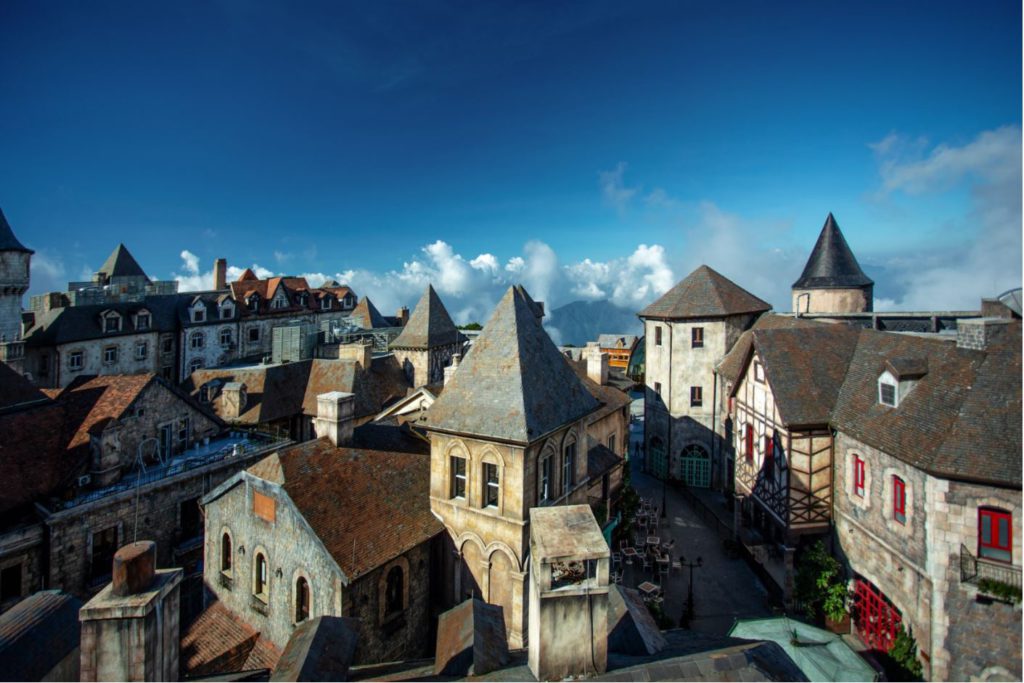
<point>84,480</point>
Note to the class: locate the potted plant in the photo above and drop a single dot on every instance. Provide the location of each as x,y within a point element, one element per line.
<point>835,604</point>
<point>821,589</point>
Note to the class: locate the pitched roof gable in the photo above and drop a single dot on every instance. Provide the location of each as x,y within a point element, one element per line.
<point>514,385</point>
<point>704,293</point>
<point>121,263</point>
<point>429,326</point>
<point>366,315</point>
<point>832,263</point>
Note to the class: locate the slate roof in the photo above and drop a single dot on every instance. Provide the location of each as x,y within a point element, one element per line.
<point>805,369</point>
<point>832,263</point>
<point>617,341</point>
<point>515,385</point>
<point>37,633</point>
<point>609,396</point>
<point>704,293</point>
<point>280,391</point>
<point>600,460</point>
<point>735,362</point>
<point>429,326</point>
<point>8,242</point>
<point>962,420</point>
<point>220,642</point>
<point>366,315</point>
<point>121,263</point>
<point>82,323</point>
<point>390,491</point>
<point>16,390</point>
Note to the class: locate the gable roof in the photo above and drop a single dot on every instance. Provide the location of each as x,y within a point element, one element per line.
<point>8,242</point>
<point>17,391</point>
<point>832,263</point>
<point>735,362</point>
<point>515,385</point>
<point>121,263</point>
<point>704,293</point>
<point>94,401</point>
<point>366,315</point>
<point>390,491</point>
<point>429,326</point>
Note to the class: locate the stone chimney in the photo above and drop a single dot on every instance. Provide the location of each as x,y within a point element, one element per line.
<point>130,629</point>
<point>597,363</point>
<point>359,352</point>
<point>335,417</point>
<point>232,400</point>
<point>403,315</point>
<point>449,370</point>
<point>569,564</point>
<point>979,333</point>
<point>220,274</point>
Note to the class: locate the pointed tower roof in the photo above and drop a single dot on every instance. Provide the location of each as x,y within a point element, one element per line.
<point>121,263</point>
<point>704,293</point>
<point>429,326</point>
<point>8,242</point>
<point>247,276</point>
<point>366,315</point>
<point>832,263</point>
<point>514,385</point>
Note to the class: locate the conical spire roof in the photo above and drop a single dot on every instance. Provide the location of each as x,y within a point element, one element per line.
<point>704,293</point>
<point>8,242</point>
<point>832,263</point>
<point>429,326</point>
<point>514,385</point>
<point>366,315</point>
<point>121,263</point>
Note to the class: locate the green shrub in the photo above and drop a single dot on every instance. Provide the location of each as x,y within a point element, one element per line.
<point>903,655</point>
<point>819,585</point>
<point>999,590</point>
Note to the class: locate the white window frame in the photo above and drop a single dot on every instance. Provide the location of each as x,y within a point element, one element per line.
<point>78,356</point>
<point>141,350</point>
<point>107,359</point>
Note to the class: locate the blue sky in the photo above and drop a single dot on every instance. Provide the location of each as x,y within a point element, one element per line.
<point>395,143</point>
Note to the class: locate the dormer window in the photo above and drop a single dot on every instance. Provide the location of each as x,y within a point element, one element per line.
<point>254,303</point>
<point>348,301</point>
<point>325,303</point>
<point>887,394</point>
<point>279,301</point>
<point>111,322</point>
<point>227,310</point>
<point>142,320</point>
<point>199,313</point>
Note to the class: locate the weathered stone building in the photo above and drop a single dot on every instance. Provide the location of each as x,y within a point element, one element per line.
<point>509,432</point>
<point>285,543</point>
<point>686,332</point>
<point>14,280</point>
<point>428,341</point>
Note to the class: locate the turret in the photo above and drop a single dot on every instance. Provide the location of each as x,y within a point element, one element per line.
<point>832,281</point>
<point>14,280</point>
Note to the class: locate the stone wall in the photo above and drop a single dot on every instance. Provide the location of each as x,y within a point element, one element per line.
<point>14,279</point>
<point>60,373</point>
<point>212,353</point>
<point>853,300</point>
<point>423,366</point>
<point>23,545</point>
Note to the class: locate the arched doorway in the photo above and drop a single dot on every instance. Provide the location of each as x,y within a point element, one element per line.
<point>876,618</point>
<point>656,463</point>
<point>693,466</point>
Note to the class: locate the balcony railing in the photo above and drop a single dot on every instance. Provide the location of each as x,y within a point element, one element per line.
<point>973,570</point>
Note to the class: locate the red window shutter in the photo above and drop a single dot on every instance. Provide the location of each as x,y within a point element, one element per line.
<point>899,503</point>
<point>858,475</point>
<point>750,442</point>
<point>769,448</point>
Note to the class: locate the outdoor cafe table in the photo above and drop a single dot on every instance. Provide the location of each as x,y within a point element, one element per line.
<point>654,541</point>
<point>648,589</point>
<point>629,551</point>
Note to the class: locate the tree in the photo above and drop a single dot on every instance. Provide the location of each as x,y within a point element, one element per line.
<point>471,326</point>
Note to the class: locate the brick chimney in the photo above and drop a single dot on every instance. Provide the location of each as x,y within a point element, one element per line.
<point>220,274</point>
<point>449,370</point>
<point>403,315</point>
<point>130,629</point>
<point>979,333</point>
<point>597,363</point>
<point>359,352</point>
<point>335,417</point>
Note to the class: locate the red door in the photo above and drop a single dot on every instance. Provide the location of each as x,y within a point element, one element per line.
<point>876,618</point>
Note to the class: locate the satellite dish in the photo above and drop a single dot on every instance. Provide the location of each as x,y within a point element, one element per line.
<point>1011,299</point>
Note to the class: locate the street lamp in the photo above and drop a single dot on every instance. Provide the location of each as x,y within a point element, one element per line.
<point>687,615</point>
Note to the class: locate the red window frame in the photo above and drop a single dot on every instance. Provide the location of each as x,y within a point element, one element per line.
<point>899,500</point>
<point>993,547</point>
<point>858,476</point>
<point>749,438</point>
<point>769,449</point>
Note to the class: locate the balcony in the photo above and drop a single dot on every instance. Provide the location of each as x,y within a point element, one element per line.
<point>993,579</point>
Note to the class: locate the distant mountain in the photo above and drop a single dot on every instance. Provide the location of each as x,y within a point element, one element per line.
<point>582,321</point>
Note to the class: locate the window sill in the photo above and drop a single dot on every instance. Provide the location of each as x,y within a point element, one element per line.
<point>259,604</point>
<point>226,580</point>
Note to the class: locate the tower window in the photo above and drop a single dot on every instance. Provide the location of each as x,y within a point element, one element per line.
<point>225,553</point>
<point>657,335</point>
<point>697,337</point>
<point>458,466</point>
<point>696,397</point>
<point>260,583</point>
<point>301,600</point>
<point>493,487</point>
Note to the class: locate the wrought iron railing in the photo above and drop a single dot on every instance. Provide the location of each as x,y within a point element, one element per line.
<point>975,569</point>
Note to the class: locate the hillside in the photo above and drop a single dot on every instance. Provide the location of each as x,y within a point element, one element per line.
<point>581,321</point>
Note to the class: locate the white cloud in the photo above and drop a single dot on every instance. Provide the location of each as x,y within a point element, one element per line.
<point>192,279</point>
<point>988,260</point>
<point>613,187</point>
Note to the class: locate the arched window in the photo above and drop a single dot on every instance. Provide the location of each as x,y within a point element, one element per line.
<point>197,340</point>
<point>393,593</point>
<point>301,600</point>
<point>260,580</point>
<point>569,465</point>
<point>225,553</point>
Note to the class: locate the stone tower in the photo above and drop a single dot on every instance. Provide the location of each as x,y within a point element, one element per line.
<point>508,434</point>
<point>14,279</point>
<point>686,333</point>
<point>832,281</point>
<point>428,341</point>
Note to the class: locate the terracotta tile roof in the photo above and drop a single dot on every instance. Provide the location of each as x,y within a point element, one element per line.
<point>704,293</point>
<point>515,384</point>
<point>95,400</point>
<point>280,391</point>
<point>390,491</point>
<point>219,642</point>
<point>429,326</point>
<point>832,263</point>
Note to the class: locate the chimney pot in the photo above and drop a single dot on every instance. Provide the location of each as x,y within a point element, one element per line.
<point>597,364</point>
<point>335,417</point>
<point>134,568</point>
